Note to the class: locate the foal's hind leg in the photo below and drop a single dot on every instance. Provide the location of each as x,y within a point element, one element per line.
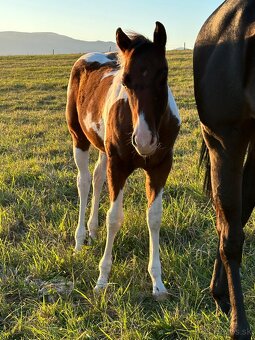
<point>81,157</point>
<point>226,155</point>
<point>83,184</point>
<point>98,181</point>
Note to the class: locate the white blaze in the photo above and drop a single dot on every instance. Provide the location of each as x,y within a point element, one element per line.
<point>145,144</point>
<point>142,132</point>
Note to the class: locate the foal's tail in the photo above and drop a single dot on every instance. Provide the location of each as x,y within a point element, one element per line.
<point>204,161</point>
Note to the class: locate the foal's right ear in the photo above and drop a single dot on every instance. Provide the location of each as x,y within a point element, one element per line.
<point>123,41</point>
<point>160,35</point>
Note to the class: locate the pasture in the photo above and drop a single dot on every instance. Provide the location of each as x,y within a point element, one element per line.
<point>45,291</point>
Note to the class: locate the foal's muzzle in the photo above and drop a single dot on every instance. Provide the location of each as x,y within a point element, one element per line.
<point>145,145</point>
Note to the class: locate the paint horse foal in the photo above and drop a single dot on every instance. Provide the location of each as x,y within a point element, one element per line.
<point>224,72</point>
<point>124,107</point>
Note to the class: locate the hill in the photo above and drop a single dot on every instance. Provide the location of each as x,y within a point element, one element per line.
<point>19,43</point>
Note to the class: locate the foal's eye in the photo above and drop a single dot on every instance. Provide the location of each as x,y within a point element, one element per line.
<point>145,73</point>
<point>126,81</point>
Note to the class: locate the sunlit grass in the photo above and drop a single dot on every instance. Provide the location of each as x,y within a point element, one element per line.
<point>39,213</point>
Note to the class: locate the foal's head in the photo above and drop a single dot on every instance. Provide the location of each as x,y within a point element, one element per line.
<point>145,73</point>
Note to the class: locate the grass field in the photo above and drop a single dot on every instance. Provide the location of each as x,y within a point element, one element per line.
<point>45,291</point>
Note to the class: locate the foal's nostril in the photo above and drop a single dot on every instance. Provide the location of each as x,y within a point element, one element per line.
<point>134,140</point>
<point>153,140</point>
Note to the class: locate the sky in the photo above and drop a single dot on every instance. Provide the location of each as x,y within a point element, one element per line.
<point>98,20</point>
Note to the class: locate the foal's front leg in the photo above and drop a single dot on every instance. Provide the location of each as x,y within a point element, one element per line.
<point>116,177</point>
<point>154,214</point>
<point>154,191</point>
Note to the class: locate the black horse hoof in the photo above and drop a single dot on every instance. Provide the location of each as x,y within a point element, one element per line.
<point>241,334</point>
<point>223,304</point>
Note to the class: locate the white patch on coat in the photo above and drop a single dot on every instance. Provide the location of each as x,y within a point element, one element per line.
<point>97,127</point>
<point>115,93</point>
<point>109,74</point>
<point>173,106</point>
<point>96,57</point>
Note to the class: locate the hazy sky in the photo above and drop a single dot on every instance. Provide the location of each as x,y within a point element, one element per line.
<point>98,19</point>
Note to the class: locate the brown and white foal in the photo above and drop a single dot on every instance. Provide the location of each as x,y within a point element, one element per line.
<point>123,106</point>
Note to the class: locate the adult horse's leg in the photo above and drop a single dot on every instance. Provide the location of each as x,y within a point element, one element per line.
<point>116,177</point>
<point>155,181</point>
<point>249,184</point>
<point>81,159</point>
<point>219,284</point>
<point>227,153</point>
<point>97,183</point>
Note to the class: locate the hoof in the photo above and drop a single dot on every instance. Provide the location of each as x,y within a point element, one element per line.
<point>223,305</point>
<point>161,296</point>
<point>91,240</point>
<point>93,230</point>
<point>99,288</point>
<point>77,249</point>
<point>240,334</point>
<point>79,242</point>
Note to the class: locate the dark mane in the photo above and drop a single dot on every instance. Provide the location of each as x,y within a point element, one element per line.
<point>138,40</point>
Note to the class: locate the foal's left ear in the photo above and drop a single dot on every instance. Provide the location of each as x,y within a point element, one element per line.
<point>159,38</point>
<point>123,41</point>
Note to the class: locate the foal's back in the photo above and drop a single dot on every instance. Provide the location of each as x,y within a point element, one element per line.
<point>89,83</point>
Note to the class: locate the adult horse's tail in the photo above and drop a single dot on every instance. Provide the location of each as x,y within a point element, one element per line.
<point>204,161</point>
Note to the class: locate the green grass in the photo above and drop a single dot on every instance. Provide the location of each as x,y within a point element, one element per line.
<point>45,291</point>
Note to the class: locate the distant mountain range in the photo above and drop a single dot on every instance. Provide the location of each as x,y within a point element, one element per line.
<point>18,43</point>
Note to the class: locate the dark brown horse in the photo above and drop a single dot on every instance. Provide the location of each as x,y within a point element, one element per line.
<point>224,72</point>
<point>122,105</point>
